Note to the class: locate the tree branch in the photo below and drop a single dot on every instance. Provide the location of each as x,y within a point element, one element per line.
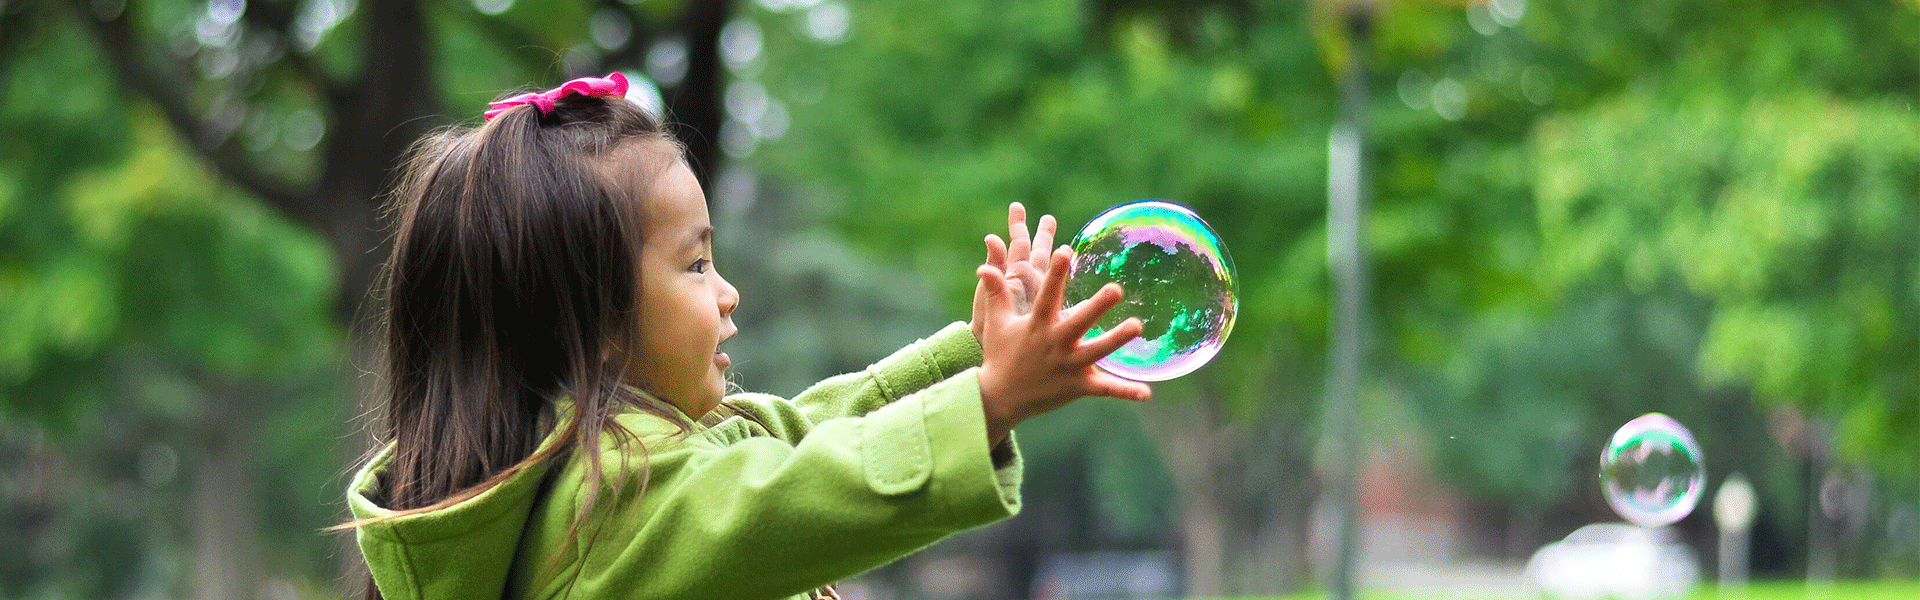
<point>119,44</point>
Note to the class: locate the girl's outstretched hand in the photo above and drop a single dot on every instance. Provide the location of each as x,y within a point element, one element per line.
<point>1036,362</point>
<point>1024,263</point>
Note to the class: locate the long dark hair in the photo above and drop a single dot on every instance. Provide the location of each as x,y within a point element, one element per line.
<point>512,283</point>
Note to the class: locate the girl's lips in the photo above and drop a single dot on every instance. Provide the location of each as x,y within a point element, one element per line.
<point>720,359</point>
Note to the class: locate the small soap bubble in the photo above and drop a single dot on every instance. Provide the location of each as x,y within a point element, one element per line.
<point>1178,279</point>
<point>1651,471</point>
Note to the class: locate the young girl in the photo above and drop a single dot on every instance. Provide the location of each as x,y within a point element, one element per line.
<point>556,420</point>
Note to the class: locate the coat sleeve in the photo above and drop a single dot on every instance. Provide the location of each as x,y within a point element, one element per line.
<point>923,363</point>
<point>728,514</point>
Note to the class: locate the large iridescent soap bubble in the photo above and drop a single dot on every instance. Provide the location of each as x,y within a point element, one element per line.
<point>1178,280</point>
<point>1651,471</point>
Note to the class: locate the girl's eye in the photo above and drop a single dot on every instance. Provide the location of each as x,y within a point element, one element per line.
<point>699,265</point>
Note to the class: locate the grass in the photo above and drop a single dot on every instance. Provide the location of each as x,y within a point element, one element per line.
<point>1800,590</point>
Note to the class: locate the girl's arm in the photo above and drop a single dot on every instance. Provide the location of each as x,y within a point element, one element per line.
<point>911,369</point>
<point>1025,264</point>
<point>728,513</point>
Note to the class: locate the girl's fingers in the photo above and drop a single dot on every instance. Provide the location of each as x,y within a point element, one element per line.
<point>1043,238</point>
<point>1017,232</point>
<point>979,307</point>
<point>1111,386</point>
<point>1023,272</point>
<point>1016,291</point>
<point>1083,315</point>
<point>1047,304</point>
<point>994,283</point>
<point>1101,345</point>
<point>996,252</point>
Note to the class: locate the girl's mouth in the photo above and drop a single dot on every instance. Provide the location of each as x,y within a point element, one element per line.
<point>720,358</point>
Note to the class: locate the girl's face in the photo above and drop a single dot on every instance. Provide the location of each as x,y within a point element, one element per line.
<point>686,308</point>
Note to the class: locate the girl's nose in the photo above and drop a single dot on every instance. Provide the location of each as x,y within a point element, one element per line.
<point>729,297</point>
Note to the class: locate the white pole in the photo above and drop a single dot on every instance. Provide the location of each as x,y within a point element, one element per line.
<point>1347,265</point>
<point>1734,508</point>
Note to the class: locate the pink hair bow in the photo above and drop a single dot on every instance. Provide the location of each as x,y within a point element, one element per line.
<point>614,84</point>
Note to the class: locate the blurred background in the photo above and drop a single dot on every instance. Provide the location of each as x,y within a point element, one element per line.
<point>1576,212</point>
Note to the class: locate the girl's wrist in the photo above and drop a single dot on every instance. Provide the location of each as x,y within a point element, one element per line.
<point>996,407</point>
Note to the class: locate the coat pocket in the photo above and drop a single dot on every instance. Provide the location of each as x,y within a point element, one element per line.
<point>895,451</point>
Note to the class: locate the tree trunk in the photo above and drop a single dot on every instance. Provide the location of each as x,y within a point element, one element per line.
<point>226,536</point>
<point>1245,491</point>
<point>694,106</point>
<point>1277,494</point>
<point>1191,441</point>
<point>1203,541</point>
<point>389,105</point>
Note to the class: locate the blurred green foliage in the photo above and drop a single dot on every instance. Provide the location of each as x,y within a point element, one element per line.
<point>144,305</point>
<point>135,290</point>
<point>1580,212</point>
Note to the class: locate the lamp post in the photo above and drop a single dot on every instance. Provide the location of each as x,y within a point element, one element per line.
<point>1734,507</point>
<point>1347,265</point>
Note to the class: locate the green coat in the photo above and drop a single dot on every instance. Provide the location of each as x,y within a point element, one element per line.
<point>767,498</point>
